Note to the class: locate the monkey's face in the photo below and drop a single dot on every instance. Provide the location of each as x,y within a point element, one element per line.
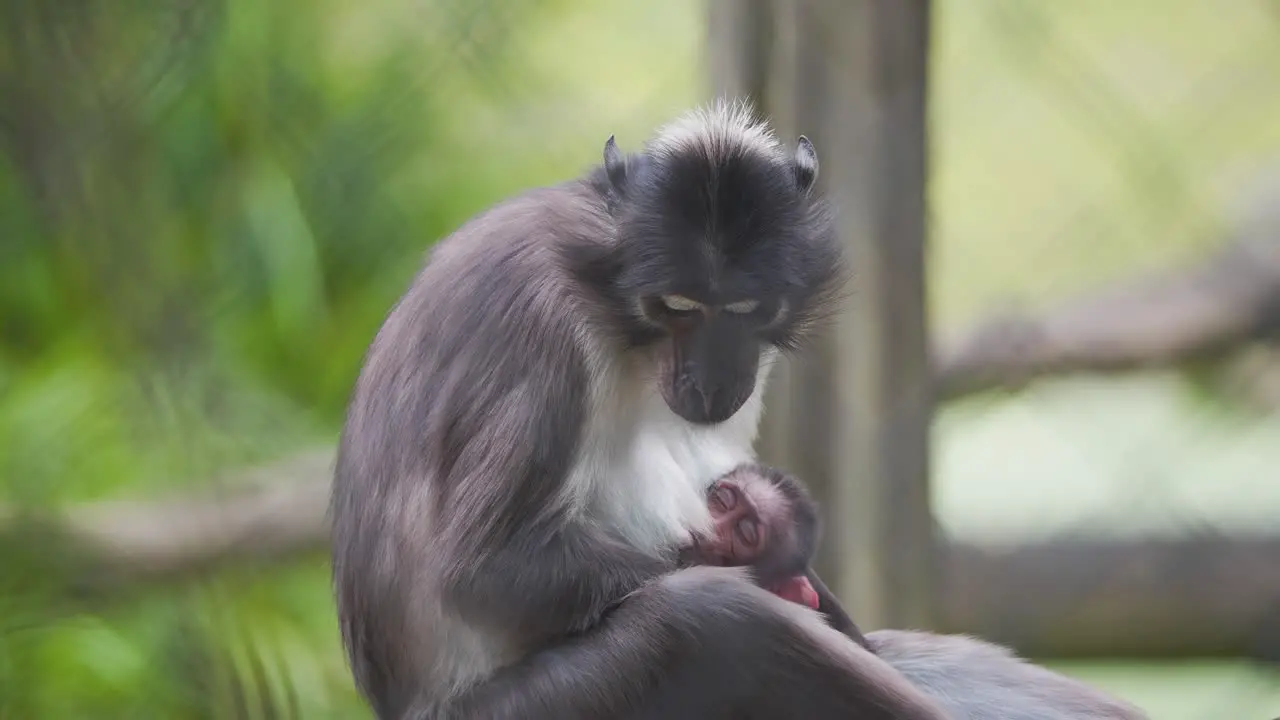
<point>709,357</point>
<point>708,304</point>
<point>720,251</point>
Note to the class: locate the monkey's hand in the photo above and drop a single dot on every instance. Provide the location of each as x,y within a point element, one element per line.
<point>797,589</point>
<point>547,586</point>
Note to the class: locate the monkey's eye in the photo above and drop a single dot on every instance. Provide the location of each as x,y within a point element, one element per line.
<point>723,499</point>
<point>776,313</point>
<point>680,304</point>
<point>748,531</point>
<point>742,307</point>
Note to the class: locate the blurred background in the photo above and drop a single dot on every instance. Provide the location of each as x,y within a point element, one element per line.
<point>208,206</point>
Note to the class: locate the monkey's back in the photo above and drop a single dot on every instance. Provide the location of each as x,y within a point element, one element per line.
<point>481,327</point>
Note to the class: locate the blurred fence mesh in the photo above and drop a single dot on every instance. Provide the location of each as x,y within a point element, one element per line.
<point>207,206</point>
<point>1106,261</point>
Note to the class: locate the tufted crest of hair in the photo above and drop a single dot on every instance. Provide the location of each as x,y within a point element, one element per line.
<point>718,132</point>
<point>717,209</point>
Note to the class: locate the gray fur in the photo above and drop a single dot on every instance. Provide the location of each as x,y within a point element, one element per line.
<point>975,680</point>
<point>702,643</point>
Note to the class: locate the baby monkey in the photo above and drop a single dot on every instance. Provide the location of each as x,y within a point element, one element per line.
<point>765,519</point>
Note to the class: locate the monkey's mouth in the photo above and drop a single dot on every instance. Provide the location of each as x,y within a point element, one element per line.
<point>705,386</point>
<point>695,404</point>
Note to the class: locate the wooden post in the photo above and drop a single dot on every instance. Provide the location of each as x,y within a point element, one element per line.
<point>851,417</point>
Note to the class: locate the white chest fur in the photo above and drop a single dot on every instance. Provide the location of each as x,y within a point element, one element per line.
<point>645,470</point>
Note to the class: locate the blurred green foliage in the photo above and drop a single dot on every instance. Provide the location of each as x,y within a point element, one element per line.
<point>206,209</point>
<point>245,206</point>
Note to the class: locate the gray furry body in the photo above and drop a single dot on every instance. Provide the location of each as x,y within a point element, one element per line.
<point>531,438</point>
<point>976,680</point>
<point>971,679</point>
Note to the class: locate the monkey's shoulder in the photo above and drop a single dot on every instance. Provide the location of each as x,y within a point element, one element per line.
<point>486,339</point>
<point>526,229</point>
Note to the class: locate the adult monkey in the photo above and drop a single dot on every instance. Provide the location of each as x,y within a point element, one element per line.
<point>534,430</point>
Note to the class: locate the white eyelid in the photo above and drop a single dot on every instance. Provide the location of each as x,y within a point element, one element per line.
<point>680,303</point>
<point>742,307</point>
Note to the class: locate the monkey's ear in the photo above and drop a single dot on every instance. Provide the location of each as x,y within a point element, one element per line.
<point>615,166</point>
<point>806,164</point>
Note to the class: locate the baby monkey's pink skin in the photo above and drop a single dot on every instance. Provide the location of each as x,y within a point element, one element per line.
<point>757,525</point>
<point>797,589</point>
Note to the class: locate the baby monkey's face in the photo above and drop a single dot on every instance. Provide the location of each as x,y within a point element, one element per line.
<point>756,525</point>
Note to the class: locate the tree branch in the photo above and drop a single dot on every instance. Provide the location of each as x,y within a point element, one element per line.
<point>1151,598</point>
<point>275,511</point>
<point>1185,597</point>
<point>1163,319</point>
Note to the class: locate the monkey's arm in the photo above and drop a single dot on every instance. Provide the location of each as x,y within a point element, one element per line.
<point>555,580</point>
<point>520,557</point>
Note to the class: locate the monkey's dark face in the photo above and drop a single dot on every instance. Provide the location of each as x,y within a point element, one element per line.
<point>721,252</point>
<point>709,357</point>
<point>721,258</point>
